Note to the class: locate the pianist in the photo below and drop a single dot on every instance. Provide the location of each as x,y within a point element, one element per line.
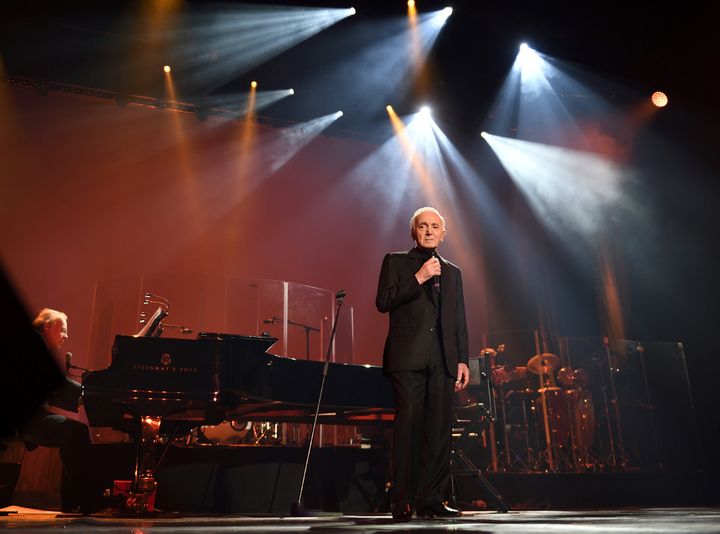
<point>78,490</point>
<point>425,357</point>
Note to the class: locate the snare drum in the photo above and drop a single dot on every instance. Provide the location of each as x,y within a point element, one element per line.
<point>504,374</point>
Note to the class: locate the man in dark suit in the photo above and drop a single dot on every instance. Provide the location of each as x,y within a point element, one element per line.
<point>78,487</point>
<point>425,356</point>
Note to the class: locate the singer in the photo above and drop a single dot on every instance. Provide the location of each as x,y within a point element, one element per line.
<point>425,357</point>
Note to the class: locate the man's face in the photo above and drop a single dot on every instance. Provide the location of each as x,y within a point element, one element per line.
<point>56,333</point>
<point>429,231</point>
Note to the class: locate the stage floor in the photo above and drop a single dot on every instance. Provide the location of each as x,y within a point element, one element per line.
<point>617,521</point>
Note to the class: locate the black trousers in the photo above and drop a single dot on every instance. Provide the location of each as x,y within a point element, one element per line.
<point>422,433</point>
<point>78,486</point>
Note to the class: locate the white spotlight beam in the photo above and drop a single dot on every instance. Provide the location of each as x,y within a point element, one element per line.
<point>429,26</point>
<point>571,192</point>
<point>293,139</point>
<point>235,105</point>
<point>221,46</point>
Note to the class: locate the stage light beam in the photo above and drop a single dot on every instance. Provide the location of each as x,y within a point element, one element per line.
<point>245,36</point>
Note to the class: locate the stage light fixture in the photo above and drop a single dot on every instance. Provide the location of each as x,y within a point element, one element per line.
<point>389,108</point>
<point>291,91</point>
<point>425,112</point>
<point>340,114</point>
<point>353,11</point>
<point>528,61</point>
<point>253,84</point>
<point>167,68</point>
<point>659,99</point>
<point>412,11</point>
<point>441,16</point>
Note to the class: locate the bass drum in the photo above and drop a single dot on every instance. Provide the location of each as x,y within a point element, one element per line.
<point>228,432</point>
<point>557,415</point>
<point>582,417</point>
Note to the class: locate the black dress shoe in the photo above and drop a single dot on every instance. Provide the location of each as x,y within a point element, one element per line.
<point>402,512</point>
<point>440,510</point>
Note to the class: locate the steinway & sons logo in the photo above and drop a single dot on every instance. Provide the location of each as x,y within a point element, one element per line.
<point>165,366</point>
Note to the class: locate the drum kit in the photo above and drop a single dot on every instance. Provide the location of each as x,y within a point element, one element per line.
<point>547,414</point>
<point>239,433</point>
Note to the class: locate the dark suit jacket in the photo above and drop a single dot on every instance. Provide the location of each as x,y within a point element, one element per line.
<point>412,313</point>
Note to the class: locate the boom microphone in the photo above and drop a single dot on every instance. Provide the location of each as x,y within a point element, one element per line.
<point>68,363</point>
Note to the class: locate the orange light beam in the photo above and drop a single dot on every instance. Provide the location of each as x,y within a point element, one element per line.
<point>183,150</point>
<point>411,153</point>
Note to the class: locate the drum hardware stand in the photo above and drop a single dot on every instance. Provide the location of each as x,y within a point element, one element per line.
<point>306,327</point>
<point>297,509</point>
<point>641,351</point>
<point>458,456</point>
<point>514,459</point>
<point>506,434</point>
<point>613,391</point>
<point>607,456</point>
<point>532,455</point>
<point>546,426</point>
<point>696,425</point>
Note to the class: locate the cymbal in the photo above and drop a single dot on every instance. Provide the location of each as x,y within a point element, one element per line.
<point>544,363</point>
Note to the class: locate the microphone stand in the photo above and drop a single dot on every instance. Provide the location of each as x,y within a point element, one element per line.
<point>297,509</point>
<point>305,327</point>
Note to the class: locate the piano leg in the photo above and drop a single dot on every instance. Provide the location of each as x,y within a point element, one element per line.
<point>144,484</point>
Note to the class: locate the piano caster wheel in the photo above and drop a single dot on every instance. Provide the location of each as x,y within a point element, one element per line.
<point>143,500</point>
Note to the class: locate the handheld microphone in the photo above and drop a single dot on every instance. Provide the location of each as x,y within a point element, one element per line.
<point>436,278</point>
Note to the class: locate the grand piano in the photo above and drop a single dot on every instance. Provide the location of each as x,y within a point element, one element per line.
<point>155,383</point>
